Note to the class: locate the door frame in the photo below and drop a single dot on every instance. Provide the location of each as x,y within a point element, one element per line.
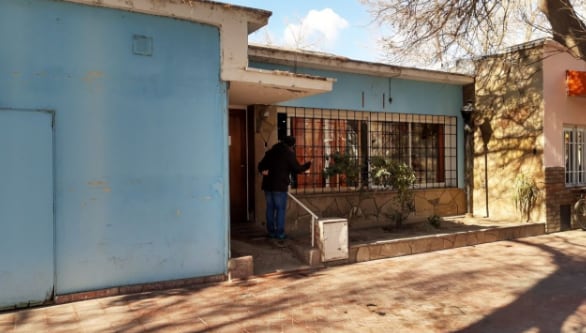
<point>246,145</point>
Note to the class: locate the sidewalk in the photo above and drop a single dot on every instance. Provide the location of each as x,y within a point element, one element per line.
<point>535,284</point>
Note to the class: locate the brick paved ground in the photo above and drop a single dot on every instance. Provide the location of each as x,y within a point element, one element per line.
<point>535,284</point>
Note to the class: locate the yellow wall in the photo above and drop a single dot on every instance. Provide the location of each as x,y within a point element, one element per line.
<point>509,102</point>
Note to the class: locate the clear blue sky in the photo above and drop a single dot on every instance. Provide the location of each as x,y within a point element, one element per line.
<point>342,27</point>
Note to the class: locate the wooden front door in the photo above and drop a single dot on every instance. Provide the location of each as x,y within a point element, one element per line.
<point>238,180</point>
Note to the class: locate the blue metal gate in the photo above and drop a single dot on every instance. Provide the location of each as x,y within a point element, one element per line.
<point>26,208</point>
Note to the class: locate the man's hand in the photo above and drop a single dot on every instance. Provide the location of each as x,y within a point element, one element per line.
<point>265,172</point>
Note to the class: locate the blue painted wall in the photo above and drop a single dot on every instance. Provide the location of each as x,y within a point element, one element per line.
<point>26,212</point>
<point>141,168</point>
<point>409,97</point>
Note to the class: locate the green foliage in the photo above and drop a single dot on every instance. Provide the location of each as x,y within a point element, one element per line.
<point>434,221</point>
<point>399,177</point>
<point>345,165</point>
<point>387,172</point>
<point>525,195</point>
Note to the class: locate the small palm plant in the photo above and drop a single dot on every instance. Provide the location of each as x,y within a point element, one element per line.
<point>525,195</point>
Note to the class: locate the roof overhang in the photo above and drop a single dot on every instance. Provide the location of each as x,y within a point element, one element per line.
<point>247,85</point>
<point>257,86</point>
<point>325,61</point>
<point>203,11</point>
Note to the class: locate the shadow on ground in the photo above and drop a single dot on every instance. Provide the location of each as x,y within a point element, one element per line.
<point>274,256</point>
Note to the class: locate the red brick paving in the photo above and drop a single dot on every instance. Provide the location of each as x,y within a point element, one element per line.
<point>535,284</point>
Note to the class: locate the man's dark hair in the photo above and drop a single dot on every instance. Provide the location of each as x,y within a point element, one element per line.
<point>289,141</point>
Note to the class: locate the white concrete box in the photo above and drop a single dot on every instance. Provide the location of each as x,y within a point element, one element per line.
<point>332,238</point>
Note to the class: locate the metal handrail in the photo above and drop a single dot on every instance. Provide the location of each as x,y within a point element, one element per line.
<point>314,216</point>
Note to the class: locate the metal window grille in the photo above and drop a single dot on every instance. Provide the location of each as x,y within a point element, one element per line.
<point>345,141</point>
<point>574,149</point>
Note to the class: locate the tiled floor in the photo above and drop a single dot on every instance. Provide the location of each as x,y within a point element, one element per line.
<point>534,284</point>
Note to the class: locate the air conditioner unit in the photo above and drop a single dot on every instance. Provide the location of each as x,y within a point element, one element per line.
<point>332,238</point>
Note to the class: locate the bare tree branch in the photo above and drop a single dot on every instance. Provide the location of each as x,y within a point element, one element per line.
<point>567,28</point>
<point>435,33</point>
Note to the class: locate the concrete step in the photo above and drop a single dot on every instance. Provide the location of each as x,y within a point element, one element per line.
<point>372,250</point>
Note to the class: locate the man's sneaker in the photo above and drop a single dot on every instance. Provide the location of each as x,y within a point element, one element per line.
<point>282,236</point>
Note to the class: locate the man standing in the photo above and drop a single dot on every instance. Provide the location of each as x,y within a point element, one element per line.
<point>276,167</point>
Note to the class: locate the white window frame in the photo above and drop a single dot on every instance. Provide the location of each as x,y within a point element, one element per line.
<point>574,154</point>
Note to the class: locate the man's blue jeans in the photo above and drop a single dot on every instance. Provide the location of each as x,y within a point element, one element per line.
<point>276,208</point>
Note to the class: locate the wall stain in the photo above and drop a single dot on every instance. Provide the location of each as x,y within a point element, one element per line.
<point>143,244</point>
<point>218,188</point>
<point>85,203</point>
<point>102,184</point>
<point>118,261</point>
<point>92,75</point>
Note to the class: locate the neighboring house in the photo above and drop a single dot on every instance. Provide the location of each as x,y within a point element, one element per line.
<point>374,110</point>
<point>530,109</point>
<point>114,140</point>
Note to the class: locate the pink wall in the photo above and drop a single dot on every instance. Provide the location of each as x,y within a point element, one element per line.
<point>559,109</point>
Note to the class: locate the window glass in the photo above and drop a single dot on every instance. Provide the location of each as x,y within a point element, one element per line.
<point>574,148</point>
<point>340,144</point>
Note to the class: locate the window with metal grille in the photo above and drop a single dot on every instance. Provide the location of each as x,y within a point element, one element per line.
<point>574,141</point>
<point>349,139</point>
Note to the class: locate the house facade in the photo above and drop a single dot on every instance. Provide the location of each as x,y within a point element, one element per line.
<point>530,123</point>
<point>374,111</point>
<point>132,130</point>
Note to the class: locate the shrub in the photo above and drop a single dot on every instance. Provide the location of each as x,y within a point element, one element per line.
<point>399,177</point>
<point>345,165</point>
<point>525,195</point>
<point>434,221</point>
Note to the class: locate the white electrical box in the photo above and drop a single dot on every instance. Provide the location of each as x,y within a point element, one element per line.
<point>332,238</point>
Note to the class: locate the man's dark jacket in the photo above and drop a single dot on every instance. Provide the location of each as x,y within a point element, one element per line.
<point>280,161</point>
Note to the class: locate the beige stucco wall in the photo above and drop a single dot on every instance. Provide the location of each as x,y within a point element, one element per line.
<point>522,95</point>
<point>509,99</point>
<point>559,109</point>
